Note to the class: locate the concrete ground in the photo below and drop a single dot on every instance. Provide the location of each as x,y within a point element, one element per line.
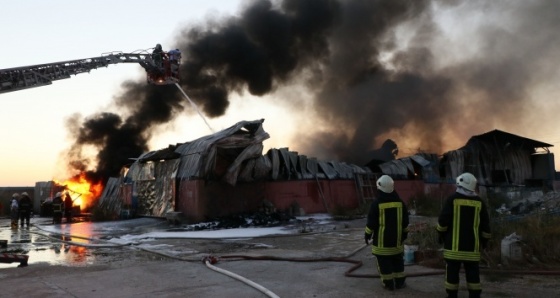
<point>309,264</point>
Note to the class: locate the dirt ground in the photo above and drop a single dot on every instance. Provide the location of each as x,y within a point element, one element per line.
<point>311,264</point>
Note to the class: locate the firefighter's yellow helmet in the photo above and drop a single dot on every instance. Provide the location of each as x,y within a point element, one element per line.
<point>385,184</point>
<point>466,181</point>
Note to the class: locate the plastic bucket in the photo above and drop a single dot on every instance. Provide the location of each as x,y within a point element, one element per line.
<point>409,251</point>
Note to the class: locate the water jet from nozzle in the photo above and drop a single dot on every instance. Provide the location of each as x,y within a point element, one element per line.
<point>195,107</point>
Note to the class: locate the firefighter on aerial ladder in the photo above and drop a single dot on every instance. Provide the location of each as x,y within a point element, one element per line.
<point>157,55</point>
<point>174,58</point>
<point>162,63</point>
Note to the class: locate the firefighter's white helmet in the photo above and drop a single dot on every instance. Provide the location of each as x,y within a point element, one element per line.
<point>15,195</point>
<point>24,194</point>
<point>385,184</point>
<point>467,181</point>
<point>58,194</point>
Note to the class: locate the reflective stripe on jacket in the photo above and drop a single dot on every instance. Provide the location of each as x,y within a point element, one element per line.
<point>388,222</point>
<point>463,222</point>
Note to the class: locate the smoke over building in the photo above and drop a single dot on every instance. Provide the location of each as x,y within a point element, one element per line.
<point>376,70</point>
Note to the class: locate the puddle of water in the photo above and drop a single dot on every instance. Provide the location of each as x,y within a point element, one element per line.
<point>44,247</point>
<point>67,244</point>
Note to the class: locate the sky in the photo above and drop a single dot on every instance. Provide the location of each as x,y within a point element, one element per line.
<point>332,79</point>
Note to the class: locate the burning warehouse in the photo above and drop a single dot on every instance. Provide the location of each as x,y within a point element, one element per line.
<point>226,173</point>
<point>363,80</point>
<point>498,159</point>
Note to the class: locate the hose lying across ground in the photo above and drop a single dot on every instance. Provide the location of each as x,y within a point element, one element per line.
<point>349,273</point>
<point>356,264</point>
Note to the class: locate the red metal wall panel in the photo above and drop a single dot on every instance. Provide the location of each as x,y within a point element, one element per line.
<point>201,201</point>
<point>409,188</point>
<point>313,196</point>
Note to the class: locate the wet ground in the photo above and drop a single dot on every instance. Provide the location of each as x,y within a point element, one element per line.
<point>84,243</point>
<point>126,259</point>
<point>80,243</point>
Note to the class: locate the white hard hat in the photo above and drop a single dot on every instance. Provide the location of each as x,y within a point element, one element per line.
<point>58,194</point>
<point>385,184</point>
<point>24,194</point>
<point>466,181</point>
<point>15,195</point>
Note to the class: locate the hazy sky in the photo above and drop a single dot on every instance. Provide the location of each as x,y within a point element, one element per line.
<point>32,121</point>
<point>425,74</point>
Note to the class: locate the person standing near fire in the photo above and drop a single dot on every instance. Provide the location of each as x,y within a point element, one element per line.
<point>387,227</point>
<point>57,208</point>
<point>68,207</point>
<point>464,229</point>
<point>14,210</point>
<point>25,209</point>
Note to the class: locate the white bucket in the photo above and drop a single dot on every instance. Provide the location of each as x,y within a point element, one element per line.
<point>409,254</point>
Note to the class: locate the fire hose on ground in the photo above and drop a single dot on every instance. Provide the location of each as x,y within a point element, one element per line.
<point>209,261</point>
<point>349,273</point>
<point>212,260</point>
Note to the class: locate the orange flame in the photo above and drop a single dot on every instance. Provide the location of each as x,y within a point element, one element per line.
<point>82,192</point>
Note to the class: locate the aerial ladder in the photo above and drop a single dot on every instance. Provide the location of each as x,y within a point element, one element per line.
<point>162,72</point>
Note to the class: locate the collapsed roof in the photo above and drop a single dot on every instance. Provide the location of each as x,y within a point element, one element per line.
<point>235,155</point>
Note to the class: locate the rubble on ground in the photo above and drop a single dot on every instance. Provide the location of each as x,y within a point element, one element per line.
<point>245,220</point>
<point>548,203</point>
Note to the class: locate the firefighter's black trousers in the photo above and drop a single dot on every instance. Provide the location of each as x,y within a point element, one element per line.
<point>24,217</point>
<point>391,270</point>
<point>57,217</point>
<point>472,274</point>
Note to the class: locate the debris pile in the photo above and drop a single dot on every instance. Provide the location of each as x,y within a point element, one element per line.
<point>244,220</point>
<point>548,203</point>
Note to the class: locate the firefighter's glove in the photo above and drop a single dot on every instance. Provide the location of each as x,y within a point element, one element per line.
<point>367,237</point>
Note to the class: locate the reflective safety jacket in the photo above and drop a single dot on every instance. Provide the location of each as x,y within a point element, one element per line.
<point>388,222</point>
<point>464,225</point>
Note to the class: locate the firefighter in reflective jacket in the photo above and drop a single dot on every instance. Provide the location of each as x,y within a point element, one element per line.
<point>387,226</point>
<point>464,228</point>
<point>57,204</point>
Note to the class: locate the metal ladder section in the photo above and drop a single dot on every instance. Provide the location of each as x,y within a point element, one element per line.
<point>18,78</point>
<point>365,184</point>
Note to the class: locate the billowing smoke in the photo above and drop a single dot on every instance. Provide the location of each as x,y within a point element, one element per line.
<point>405,70</point>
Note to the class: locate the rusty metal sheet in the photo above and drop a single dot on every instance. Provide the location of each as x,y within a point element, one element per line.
<point>275,161</point>
<point>156,197</point>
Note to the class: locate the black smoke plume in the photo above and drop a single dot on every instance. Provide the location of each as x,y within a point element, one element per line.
<point>376,70</point>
